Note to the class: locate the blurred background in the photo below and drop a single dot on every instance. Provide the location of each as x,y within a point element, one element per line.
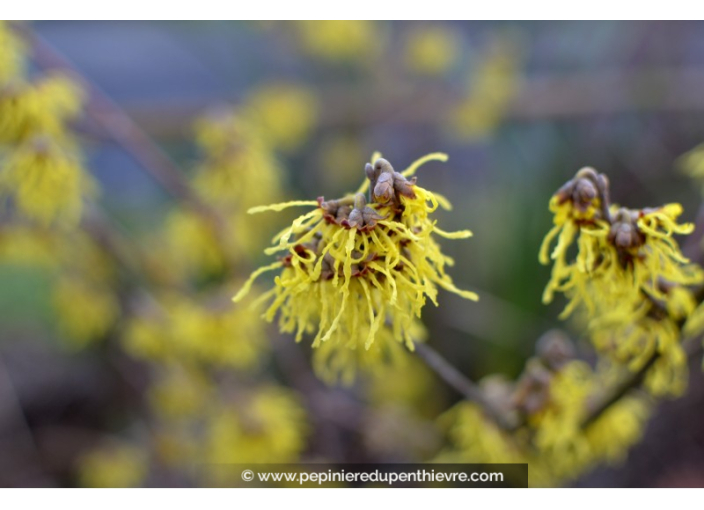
<point>518,107</point>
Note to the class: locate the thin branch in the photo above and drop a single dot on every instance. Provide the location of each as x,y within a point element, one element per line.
<point>602,402</point>
<point>462,384</point>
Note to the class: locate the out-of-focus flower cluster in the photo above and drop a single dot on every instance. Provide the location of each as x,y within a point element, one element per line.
<point>186,328</point>
<point>42,171</point>
<point>162,297</point>
<point>492,87</point>
<point>551,404</point>
<point>44,186</point>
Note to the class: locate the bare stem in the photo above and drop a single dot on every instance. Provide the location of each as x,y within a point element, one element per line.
<point>462,384</point>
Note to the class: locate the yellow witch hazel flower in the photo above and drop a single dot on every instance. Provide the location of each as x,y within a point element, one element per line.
<point>238,168</point>
<point>352,267</point>
<point>40,165</point>
<point>623,254</point>
<point>46,180</point>
<point>42,107</point>
<point>628,275</point>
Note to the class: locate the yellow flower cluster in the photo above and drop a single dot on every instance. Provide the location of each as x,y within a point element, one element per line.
<point>193,331</point>
<point>198,422</point>
<point>492,87</point>
<point>628,277</point>
<point>432,50</point>
<point>115,465</point>
<point>83,277</point>
<point>40,163</point>
<point>201,352</point>
<point>285,113</point>
<point>238,167</point>
<point>339,40</point>
<point>42,107</point>
<point>85,310</point>
<point>84,293</point>
<point>46,180</point>
<point>268,427</point>
<point>12,51</point>
<point>42,174</point>
<point>352,267</point>
<point>556,441</point>
<point>237,171</point>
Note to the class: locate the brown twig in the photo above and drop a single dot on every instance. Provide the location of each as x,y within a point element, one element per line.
<point>602,402</point>
<point>462,384</point>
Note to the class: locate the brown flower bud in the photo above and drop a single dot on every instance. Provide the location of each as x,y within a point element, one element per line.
<point>624,233</point>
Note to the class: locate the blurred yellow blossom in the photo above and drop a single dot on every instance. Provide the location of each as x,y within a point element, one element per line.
<point>340,361</point>
<point>286,114</point>
<point>238,168</point>
<point>493,85</point>
<point>408,383</point>
<point>192,244</point>
<point>28,246</point>
<point>180,392</point>
<point>113,466</point>
<point>556,441</point>
<point>692,163</point>
<point>432,49</point>
<point>46,180</point>
<point>196,330</point>
<point>268,425</point>
<point>12,54</point>
<point>39,108</point>
<point>41,167</point>
<point>340,40</point>
<point>85,311</point>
